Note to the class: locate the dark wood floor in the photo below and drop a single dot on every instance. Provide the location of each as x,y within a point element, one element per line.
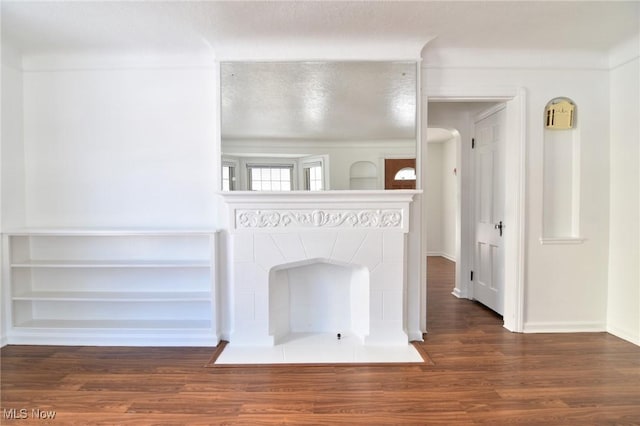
<point>482,374</point>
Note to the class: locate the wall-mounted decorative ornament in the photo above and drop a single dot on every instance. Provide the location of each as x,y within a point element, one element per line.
<point>560,114</point>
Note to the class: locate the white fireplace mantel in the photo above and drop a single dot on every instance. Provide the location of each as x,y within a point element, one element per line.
<point>363,231</point>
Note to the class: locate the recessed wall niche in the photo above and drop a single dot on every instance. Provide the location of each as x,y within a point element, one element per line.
<point>561,173</point>
<point>363,175</point>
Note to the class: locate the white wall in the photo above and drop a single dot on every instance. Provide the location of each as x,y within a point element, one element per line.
<point>449,199</point>
<point>623,301</point>
<point>13,158</point>
<point>565,285</point>
<point>434,196</point>
<point>441,194</point>
<point>12,182</point>
<point>120,146</point>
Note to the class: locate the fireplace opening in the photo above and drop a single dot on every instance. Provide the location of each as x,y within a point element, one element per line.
<point>318,296</point>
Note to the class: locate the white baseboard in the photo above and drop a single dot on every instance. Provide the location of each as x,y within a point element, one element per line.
<point>3,341</point>
<point>415,336</point>
<point>624,334</point>
<point>442,254</point>
<point>460,294</point>
<point>564,327</point>
<point>111,339</point>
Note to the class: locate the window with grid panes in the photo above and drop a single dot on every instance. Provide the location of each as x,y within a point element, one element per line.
<point>270,178</point>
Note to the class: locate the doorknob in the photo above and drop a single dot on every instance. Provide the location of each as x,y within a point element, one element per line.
<point>499,227</point>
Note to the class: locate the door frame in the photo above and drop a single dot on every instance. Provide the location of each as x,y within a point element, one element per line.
<point>515,195</point>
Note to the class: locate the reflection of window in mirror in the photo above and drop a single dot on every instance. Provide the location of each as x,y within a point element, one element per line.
<point>408,173</point>
<point>400,173</point>
<point>313,177</point>
<point>270,177</point>
<point>229,175</point>
<point>314,172</point>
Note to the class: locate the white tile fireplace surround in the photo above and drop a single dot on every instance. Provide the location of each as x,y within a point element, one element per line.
<point>326,262</point>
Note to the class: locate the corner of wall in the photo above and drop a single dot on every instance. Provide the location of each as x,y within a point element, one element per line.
<point>623,279</point>
<point>625,52</point>
<point>624,334</point>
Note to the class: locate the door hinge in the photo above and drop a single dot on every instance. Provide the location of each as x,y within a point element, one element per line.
<point>473,143</point>
<point>471,275</point>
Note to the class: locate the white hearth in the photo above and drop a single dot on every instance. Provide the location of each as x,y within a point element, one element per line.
<point>318,262</point>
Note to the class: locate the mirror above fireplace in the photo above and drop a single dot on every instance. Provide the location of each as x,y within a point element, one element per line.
<point>304,125</point>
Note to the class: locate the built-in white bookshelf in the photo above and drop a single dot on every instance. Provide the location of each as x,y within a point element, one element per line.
<point>110,287</point>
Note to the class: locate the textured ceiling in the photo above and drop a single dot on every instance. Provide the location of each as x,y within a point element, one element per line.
<point>313,100</point>
<point>55,26</point>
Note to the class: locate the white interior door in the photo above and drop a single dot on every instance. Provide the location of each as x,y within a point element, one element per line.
<point>488,158</point>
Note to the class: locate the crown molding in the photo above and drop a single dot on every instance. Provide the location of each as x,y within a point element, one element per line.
<point>514,59</point>
<point>66,61</point>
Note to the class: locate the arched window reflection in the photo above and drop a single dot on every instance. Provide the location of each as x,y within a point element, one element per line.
<point>407,173</point>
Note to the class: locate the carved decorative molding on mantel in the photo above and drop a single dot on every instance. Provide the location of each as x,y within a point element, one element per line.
<point>388,218</point>
<point>303,210</point>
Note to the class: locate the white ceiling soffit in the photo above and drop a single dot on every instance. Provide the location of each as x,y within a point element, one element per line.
<point>179,26</point>
<point>438,135</point>
<point>318,100</point>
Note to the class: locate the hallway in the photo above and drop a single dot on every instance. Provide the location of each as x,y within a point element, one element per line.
<point>448,314</point>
